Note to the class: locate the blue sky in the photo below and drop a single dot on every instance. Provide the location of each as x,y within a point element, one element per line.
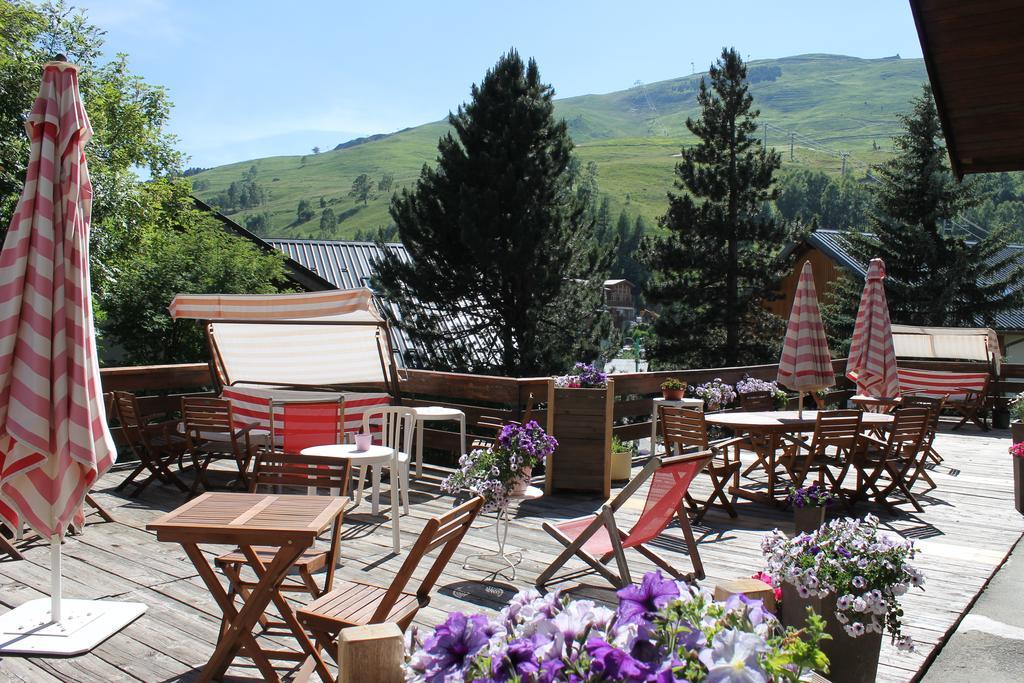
<point>257,78</point>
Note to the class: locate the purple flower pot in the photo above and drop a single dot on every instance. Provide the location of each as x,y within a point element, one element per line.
<point>808,519</point>
<point>1017,431</point>
<point>851,660</point>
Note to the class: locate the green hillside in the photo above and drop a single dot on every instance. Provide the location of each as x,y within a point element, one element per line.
<point>829,103</point>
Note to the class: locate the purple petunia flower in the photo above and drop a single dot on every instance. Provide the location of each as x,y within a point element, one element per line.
<point>732,657</point>
<point>635,602</point>
<point>611,663</point>
<point>519,659</point>
<point>452,642</point>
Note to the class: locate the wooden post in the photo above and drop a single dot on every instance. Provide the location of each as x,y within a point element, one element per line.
<point>755,589</point>
<point>371,654</point>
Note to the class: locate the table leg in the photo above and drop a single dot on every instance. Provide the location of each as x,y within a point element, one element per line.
<point>419,448</point>
<point>396,537</point>
<point>375,494</point>
<point>239,624</point>
<point>462,433</point>
<point>771,442</point>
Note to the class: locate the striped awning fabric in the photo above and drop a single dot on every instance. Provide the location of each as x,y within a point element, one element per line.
<point>805,364</point>
<point>938,383</point>
<point>950,343</point>
<point>335,304</point>
<point>252,404</point>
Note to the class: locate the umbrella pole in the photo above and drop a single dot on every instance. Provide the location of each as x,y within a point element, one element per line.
<point>55,587</point>
<point>800,403</point>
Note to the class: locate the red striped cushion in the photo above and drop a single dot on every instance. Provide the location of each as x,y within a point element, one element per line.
<point>937,383</point>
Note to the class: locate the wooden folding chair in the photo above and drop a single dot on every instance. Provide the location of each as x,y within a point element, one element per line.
<point>211,433</point>
<point>354,603</point>
<point>155,445</point>
<point>894,457</point>
<point>596,539</point>
<point>682,430</point>
<point>838,430</point>
<point>935,404</point>
<point>276,469</point>
<point>755,401</point>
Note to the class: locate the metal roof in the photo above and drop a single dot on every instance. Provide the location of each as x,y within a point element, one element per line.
<point>349,265</point>
<point>830,242</point>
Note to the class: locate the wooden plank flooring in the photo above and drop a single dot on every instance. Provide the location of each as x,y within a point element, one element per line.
<point>968,527</point>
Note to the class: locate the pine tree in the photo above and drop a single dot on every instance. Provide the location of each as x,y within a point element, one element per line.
<point>721,258</point>
<point>497,238</point>
<point>936,275</point>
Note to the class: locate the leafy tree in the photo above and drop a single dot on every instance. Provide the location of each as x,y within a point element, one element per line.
<point>129,119</point>
<point>362,188</point>
<point>259,223</point>
<point>814,198</point>
<point>936,274</point>
<point>328,222</point>
<point>304,212</point>
<point>323,202</point>
<point>627,259</point>
<point>497,238</point>
<point>385,182</point>
<point>316,150</point>
<point>182,250</point>
<point>721,257</point>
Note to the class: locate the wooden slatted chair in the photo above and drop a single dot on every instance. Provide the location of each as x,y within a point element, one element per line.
<point>355,603</point>
<point>155,444</point>
<point>894,458</point>
<point>211,433</point>
<point>936,404</point>
<point>685,430</point>
<point>597,539</point>
<point>836,438</point>
<point>755,401</point>
<point>275,469</point>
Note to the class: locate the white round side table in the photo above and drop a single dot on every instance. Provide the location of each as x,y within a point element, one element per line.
<point>436,413</point>
<point>501,524</point>
<point>694,403</point>
<point>374,455</point>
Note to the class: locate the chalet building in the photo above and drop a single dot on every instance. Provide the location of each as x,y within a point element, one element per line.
<point>620,299</point>
<point>829,259</point>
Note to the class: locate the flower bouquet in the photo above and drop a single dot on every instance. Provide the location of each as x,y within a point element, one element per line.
<point>504,469</point>
<point>749,385</point>
<point>662,630</point>
<point>809,504</point>
<point>1017,451</point>
<point>716,394</point>
<point>851,575</point>
<point>582,376</point>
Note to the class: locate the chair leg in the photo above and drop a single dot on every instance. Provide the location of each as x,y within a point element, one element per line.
<point>403,480</point>
<point>691,542</point>
<point>7,547</point>
<point>131,477</point>
<point>573,548</point>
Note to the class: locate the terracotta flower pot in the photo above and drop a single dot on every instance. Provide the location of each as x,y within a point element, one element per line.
<point>672,394</point>
<point>808,519</point>
<point>851,660</point>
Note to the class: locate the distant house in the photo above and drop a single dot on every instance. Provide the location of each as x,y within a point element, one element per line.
<point>829,258</point>
<point>620,299</point>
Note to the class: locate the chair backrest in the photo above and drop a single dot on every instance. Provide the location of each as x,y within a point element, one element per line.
<point>838,429</point>
<point>908,431</point>
<point>307,423</point>
<point>130,418</point>
<point>757,400</point>
<point>670,481</point>
<point>683,428</point>
<point>933,404</point>
<point>445,532</point>
<point>397,426</point>
<point>498,423</point>
<point>274,468</point>
<point>210,415</point>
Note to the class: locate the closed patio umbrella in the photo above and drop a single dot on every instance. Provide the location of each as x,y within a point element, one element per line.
<point>54,441</point>
<point>872,362</point>
<point>806,365</point>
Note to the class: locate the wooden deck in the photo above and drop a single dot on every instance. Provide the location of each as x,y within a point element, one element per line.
<point>968,527</point>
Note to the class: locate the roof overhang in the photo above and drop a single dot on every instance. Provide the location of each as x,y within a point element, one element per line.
<point>972,51</point>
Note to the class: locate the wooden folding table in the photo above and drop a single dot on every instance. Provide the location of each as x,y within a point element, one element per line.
<point>287,522</point>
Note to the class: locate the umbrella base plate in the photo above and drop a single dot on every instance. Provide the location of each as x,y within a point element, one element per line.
<point>84,624</point>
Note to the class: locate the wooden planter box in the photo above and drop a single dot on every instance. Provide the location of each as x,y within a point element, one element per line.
<point>581,420</point>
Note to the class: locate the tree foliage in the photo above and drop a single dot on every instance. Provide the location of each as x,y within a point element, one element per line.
<point>184,250</point>
<point>362,188</point>
<point>937,274</point>
<point>722,256</point>
<point>498,238</point>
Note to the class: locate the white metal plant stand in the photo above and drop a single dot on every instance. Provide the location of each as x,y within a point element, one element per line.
<point>511,560</point>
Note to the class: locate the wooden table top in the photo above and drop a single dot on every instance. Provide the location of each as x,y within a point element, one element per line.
<point>782,420</point>
<point>249,518</point>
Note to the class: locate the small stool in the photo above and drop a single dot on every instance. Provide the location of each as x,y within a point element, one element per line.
<point>436,413</point>
<point>693,403</point>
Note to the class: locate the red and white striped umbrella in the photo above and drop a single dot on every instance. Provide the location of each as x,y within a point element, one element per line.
<point>806,364</point>
<point>872,363</point>
<point>54,441</point>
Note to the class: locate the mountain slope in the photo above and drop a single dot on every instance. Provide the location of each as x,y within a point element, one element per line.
<point>829,103</point>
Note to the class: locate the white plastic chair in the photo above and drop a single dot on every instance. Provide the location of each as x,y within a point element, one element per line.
<point>397,427</point>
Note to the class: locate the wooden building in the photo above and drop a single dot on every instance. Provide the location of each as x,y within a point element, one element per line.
<point>620,299</point>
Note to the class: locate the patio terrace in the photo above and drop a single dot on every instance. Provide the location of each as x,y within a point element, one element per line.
<point>967,529</point>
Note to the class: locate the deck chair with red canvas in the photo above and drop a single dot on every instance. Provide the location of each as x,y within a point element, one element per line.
<point>596,539</point>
